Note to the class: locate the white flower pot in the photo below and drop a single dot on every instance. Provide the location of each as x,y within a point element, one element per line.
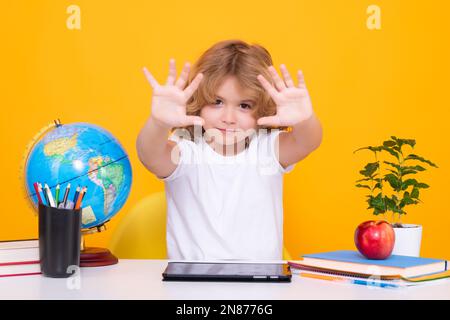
<point>408,240</point>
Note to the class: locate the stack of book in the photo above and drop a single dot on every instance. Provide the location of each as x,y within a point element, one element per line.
<point>351,267</point>
<point>19,258</point>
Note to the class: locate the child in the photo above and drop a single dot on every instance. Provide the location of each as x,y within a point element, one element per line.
<point>224,161</point>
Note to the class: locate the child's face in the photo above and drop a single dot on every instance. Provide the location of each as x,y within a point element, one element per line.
<point>232,113</point>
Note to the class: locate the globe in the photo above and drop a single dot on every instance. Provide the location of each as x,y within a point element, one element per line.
<point>82,155</point>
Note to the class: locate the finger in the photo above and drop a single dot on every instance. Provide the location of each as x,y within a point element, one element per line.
<point>268,86</point>
<point>172,73</point>
<point>189,91</point>
<point>301,80</point>
<point>286,76</point>
<point>150,78</point>
<point>272,121</point>
<point>194,120</point>
<point>181,82</point>
<point>279,83</point>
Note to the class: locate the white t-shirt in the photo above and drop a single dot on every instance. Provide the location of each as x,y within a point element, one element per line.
<point>225,207</point>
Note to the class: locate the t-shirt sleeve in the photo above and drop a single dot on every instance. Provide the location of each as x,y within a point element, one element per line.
<point>273,137</point>
<point>183,159</point>
<point>269,162</point>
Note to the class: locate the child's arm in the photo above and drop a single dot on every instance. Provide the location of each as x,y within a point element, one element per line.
<point>168,111</point>
<point>294,109</point>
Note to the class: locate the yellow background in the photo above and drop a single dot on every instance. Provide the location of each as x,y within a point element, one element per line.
<point>366,85</point>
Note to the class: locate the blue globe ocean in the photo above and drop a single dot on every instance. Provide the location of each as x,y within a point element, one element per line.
<point>83,155</point>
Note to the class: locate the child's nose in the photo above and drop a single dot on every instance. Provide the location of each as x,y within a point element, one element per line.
<point>229,115</point>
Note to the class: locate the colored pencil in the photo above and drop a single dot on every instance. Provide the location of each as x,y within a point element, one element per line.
<point>363,282</point>
<point>75,198</point>
<point>66,195</point>
<point>36,188</point>
<point>47,202</point>
<point>49,195</point>
<point>80,196</point>
<point>57,196</point>
<point>84,194</point>
<point>41,193</point>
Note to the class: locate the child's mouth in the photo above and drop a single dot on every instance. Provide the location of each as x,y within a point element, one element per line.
<point>227,130</point>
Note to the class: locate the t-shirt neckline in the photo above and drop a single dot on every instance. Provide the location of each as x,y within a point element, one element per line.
<point>222,157</point>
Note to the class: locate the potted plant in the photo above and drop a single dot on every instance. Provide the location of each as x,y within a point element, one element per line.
<point>392,189</point>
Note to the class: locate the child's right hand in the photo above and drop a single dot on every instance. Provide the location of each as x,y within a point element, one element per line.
<point>169,100</point>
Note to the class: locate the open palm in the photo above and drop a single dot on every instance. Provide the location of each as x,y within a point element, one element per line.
<point>293,102</point>
<point>169,100</point>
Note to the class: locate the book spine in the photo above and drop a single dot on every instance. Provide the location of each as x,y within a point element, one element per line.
<point>20,274</point>
<point>16,263</point>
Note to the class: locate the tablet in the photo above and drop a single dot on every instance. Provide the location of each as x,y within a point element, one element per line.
<point>210,271</point>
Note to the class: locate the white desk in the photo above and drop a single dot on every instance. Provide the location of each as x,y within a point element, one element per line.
<point>141,279</point>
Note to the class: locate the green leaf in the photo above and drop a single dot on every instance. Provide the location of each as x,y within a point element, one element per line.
<point>376,202</point>
<point>391,151</point>
<point>389,143</point>
<point>404,173</point>
<point>409,182</point>
<point>377,211</point>
<point>378,185</point>
<point>417,168</point>
<point>365,179</point>
<point>411,170</point>
<point>393,181</point>
<point>369,169</point>
<point>393,172</point>
<point>407,201</point>
<point>363,186</point>
<point>390,203</point>
<point>421,159</point>
<point>415,193</point>
<point>396,166</point>
<point>401,142</point>
<point>410,142</point>
<point>374,149</point>
<point>422,185</point>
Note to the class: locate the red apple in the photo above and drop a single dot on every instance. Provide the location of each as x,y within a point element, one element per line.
<point>375,239</point>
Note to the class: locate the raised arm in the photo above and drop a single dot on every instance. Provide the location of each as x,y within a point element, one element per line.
<point>168,111</point>
<point>294,109</point>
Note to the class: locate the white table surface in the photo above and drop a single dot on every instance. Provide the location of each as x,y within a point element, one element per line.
<point>142,279</point>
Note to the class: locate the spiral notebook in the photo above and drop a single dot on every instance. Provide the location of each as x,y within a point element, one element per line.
<point>350,263</point>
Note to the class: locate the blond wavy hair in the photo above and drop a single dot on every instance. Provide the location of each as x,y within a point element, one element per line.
<point>232,58</point>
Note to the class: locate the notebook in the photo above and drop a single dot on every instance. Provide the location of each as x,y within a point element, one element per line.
<point>354,262</point>
<point>210,271</point>
<point>18,251</point>
<point>19,257</point>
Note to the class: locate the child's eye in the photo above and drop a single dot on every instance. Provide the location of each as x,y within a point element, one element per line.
<point>218,101</point>
<point>246,106</point>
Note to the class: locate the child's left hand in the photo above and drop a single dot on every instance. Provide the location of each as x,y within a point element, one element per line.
<point>293,103</point>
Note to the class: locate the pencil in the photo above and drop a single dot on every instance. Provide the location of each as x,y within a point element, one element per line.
<point>41,193</point>
<point>66,194</point>
<point>36,188</point>
<point>47,202</point>
<point>363,282</point>
<point>80,196</point>
<point>84,194</point>
<point>75,198</point>
<point>57,195</point>
<point>49,195</point>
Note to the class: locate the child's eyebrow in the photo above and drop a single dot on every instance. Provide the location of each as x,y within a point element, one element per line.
<point>246,100</point>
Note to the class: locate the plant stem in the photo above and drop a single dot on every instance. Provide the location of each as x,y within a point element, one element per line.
<point>381,185</point>
<point>400,174</point>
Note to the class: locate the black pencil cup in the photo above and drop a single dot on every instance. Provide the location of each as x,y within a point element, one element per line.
<point>59,241</point>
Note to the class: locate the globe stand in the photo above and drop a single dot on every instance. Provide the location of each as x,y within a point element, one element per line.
<point>93,256</point>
